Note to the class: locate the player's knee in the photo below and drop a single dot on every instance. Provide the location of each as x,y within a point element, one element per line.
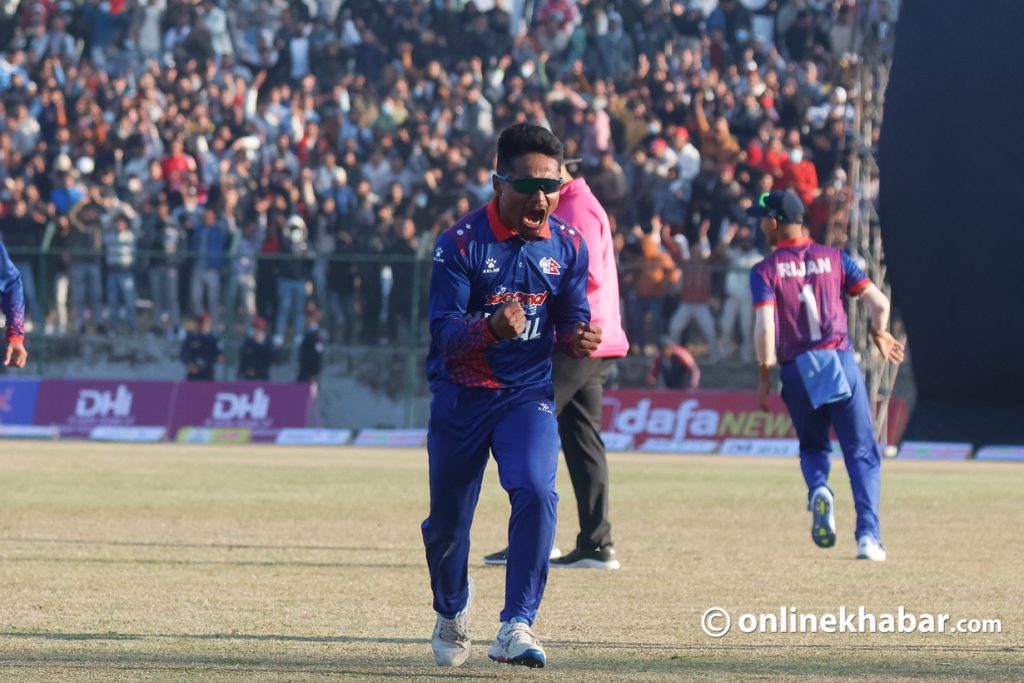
<point>451,533</point>
<point>535,495</point>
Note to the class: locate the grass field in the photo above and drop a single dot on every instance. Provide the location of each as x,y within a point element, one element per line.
<point>172,563</point>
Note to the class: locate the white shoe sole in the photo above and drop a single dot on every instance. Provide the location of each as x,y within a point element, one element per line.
<point>823,521</point>
<point>879,556</point>
<point>531,658</point>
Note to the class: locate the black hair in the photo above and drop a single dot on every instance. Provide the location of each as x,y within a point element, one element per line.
<point>524,138</point>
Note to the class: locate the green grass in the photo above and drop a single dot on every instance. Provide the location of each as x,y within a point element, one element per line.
<point>174,563</point>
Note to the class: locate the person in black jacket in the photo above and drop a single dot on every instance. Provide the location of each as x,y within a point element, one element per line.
<point>201,350</point>
<point>311,350</point>
<point>257,353</point>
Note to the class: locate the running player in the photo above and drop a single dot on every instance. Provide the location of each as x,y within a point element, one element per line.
<point>509,283</point>
<point>798,300</point>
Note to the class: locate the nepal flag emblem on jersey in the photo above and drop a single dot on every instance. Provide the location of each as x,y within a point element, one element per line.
<point>549,266</point>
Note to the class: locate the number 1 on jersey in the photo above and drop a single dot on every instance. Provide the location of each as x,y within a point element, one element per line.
<point>813,316</point>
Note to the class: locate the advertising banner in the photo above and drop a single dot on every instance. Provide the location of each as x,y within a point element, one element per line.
<point>77,406</point>
<point>261,407</point>
<point>695,422</point>
<point>18,397</point>
<point>394,438</point>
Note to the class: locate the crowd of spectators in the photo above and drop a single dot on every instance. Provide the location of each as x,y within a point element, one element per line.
<point>241,157</point>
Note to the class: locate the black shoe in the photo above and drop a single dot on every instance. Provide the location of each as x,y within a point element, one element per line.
<point>602,557</point>
<point>501,557</point>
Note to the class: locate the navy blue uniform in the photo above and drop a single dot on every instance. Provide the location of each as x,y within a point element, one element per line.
<point>492,395</point>
<point>12,297</point>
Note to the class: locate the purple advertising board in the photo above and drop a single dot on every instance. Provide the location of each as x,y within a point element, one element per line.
<point>76,406</point>
<point>264,408</point>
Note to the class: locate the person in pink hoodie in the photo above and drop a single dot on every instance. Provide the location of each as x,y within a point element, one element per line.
<point>579,385</point>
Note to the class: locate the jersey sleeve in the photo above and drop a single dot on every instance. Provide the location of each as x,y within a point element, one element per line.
<point>449,299</point>
<point>761,287</point>
<point>571,306</point>
<point>12,300</point>
<point>854,279</point>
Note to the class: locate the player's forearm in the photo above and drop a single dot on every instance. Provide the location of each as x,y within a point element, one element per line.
<point>458,336</point>
<point>878,306</point>
<point>764,336</point>
<point>13,305</point>
<point>565,332</point>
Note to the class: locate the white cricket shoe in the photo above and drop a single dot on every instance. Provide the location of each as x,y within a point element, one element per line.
<point>870,549</point>
<point>451,636</point>
<point>823,519</point>
<point>516,644</point>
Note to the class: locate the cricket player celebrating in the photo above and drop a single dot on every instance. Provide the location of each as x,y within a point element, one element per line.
<point>509,283</point>
<point>798,300</point>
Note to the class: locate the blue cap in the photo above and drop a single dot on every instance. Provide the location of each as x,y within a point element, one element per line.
<point>785,207</point>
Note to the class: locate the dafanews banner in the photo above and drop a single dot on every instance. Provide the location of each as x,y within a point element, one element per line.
<point>656,420</point>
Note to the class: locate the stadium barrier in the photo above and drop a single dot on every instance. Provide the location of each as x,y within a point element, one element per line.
<point>727,422</point>
<point>934,450</point>
<point>112,410</point>
<point>1000,453</point>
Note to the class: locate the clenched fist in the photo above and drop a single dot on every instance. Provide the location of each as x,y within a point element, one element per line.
<point>586,340</point>
<point>508,321</point>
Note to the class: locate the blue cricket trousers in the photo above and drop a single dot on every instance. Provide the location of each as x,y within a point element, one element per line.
<point>520,428</point>
<point>851,418</point>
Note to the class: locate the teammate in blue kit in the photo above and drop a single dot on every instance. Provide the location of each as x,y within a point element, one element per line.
<point>509,283</point>
<point>798,300</point>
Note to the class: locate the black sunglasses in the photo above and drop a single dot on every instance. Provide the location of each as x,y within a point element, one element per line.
<point>529,186</point>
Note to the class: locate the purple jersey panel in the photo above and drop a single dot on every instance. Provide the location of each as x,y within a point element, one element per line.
<point>805,282</point>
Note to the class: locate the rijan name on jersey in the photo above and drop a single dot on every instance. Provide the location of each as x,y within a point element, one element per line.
<point>803,269</point>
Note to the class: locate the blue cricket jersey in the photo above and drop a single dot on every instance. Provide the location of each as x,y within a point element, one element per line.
<point>12,296</point>
<point>479,264</point>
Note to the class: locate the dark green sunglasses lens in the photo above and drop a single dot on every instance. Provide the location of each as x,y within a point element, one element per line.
<point>531,185</point>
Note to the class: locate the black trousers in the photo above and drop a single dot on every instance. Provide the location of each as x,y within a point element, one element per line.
<point>579,388</point>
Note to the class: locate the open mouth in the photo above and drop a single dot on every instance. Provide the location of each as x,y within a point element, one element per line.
<point>534,218</point>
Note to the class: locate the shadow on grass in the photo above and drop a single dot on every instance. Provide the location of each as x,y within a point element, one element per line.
<point>569,666</point>
<point>590,645</point>
<point>226,563</point>
<point>212,546</point>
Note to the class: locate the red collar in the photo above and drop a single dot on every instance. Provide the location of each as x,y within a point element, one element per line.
<point>798,242</point>
<point>502,231</point>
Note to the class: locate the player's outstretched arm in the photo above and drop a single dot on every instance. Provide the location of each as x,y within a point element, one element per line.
<point>878,305</point>
<point>764,345</point>
<point>12,301</point>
